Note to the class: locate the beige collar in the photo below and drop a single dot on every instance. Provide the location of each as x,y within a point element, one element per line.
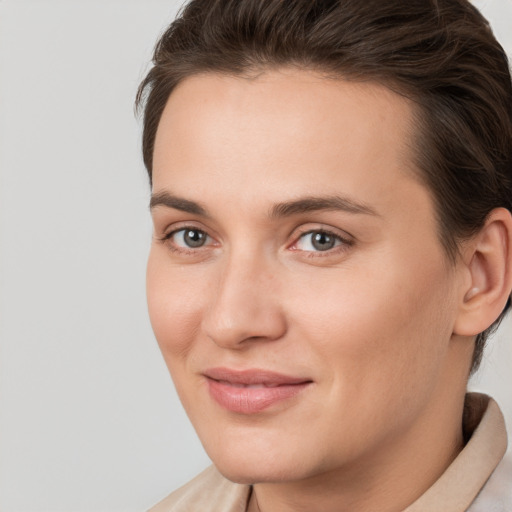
<point>459,485</point>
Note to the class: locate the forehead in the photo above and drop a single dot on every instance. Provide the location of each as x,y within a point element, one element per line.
<point>290,128</point>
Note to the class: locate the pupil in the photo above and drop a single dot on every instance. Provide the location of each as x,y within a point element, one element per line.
<point>323,241</point>
<point>194,238</point>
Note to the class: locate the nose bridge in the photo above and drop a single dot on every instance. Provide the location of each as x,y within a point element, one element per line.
<point>244,305</point>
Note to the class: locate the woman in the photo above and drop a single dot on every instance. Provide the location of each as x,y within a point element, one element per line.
<point>331,198</point>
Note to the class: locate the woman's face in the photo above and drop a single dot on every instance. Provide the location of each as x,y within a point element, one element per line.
<point>296,283</point>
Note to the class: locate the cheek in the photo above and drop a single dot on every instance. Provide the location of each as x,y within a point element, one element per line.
<point>382,323</point>
<point>379,338</point>
<point>174,298</point>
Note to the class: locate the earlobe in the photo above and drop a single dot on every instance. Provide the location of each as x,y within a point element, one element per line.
<point>489,264</point>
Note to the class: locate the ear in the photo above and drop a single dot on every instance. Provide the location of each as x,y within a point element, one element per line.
<point>488,270</point>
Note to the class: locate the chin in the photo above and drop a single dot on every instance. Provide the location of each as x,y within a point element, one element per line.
<point>257,466</point>
<point>254,474</point>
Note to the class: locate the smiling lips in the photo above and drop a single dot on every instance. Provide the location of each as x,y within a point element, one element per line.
<point>251,391</point>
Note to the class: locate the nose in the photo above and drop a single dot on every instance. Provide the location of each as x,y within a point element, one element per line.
<point>245,305</point>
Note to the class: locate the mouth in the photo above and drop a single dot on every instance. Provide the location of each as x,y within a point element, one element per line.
<point>252,391</point>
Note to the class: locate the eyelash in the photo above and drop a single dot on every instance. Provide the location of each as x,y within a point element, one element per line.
<point>167,238</point>
<point>342,244</point>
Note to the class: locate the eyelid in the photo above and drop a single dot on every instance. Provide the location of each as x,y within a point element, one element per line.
<point>173,232</point>
<point>345,238</point>
<point>176,227</point>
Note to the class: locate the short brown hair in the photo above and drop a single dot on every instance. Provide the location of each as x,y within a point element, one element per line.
<point>441,54</point>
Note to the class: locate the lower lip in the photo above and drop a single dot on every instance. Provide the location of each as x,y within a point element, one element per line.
<point>251,400</point>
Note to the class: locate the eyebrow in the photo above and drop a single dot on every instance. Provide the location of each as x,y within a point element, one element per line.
<point>279,210</point>
<point>178,203</point>
<point>311,204</point>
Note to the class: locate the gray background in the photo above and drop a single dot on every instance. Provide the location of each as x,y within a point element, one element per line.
<point>89,420</point>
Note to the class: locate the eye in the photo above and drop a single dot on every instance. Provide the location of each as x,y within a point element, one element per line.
<point>318,241</point>
<point>188,238</point>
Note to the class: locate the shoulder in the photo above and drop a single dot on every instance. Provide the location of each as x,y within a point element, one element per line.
<point>207,492</point>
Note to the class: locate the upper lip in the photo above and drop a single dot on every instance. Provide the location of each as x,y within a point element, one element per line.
<point>253,376</point>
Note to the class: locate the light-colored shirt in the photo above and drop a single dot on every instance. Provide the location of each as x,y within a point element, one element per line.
<point>478,480</point>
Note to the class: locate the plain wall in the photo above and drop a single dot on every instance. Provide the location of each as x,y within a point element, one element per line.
<point>89,420</point>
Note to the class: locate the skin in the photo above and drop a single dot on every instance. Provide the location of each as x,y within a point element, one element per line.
<point>371,322</point>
